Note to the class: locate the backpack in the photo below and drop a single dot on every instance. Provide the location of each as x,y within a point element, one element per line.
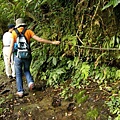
<point>22,47</point>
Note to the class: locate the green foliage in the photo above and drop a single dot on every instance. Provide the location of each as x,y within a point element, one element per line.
<point>80,97</point>
<point>55,76</point>
<point>9,97</point>
<point>114,106</point>
<point>117,74</point>
<point>113,3</point>
<point>1,60</point>
<point>66,93</point>
<point>116,41</point>
<point>92,114</point>
<point>118,117</point>
<point>1,110</point>
<point>2,100</point>
<point>106,74</point>
<point>81,73</point>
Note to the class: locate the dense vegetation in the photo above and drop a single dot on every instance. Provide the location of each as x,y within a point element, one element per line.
<point>90,41</point>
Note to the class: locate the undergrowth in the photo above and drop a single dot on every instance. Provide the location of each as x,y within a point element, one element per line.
<point>80,74</point>
<point>1,60</point>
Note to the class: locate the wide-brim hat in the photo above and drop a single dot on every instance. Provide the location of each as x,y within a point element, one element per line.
<point>20,22</point>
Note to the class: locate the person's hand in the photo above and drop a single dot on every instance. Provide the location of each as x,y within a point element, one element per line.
<point>56,42</point>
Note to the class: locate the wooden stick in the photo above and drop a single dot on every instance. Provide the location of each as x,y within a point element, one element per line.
<point>94,48</point>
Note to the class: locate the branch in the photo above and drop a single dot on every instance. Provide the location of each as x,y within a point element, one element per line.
<point>80,29</point>
<point>94,48</point>
<point>94,16</point>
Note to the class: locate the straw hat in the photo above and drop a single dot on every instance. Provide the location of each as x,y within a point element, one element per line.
<point>19,22</point>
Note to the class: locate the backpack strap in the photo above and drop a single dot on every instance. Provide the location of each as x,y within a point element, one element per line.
<point>17,32</point>
<point>23,32</point>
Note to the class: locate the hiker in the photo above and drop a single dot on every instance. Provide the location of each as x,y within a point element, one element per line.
<point>9,67</point>
<point>20,26</point>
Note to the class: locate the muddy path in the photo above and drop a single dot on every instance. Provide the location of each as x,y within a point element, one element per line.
<point>44,103</point>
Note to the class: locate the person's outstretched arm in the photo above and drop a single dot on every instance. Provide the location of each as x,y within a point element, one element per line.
<point>44,40</point>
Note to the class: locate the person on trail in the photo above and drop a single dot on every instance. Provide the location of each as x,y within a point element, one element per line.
<point>20,26</point>
<point>9,67</point>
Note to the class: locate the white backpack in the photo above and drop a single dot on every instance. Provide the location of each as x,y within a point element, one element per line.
<point>23,47</point>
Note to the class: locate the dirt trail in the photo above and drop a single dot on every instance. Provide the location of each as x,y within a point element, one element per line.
<point>44,104</point>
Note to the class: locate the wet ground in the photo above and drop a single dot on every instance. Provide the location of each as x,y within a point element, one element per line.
<point>44,103</point>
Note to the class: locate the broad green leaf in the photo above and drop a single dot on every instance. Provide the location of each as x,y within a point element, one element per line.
<point>118,74</point>
<point>54,60</point>
<point>113,3</point>
<point>60,71</point>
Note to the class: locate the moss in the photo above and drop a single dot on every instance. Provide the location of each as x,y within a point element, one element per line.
<point>1,110</point>
<point>9,97</point>
<point>81,97</point>
<point>2,100</point>
<point>92,114</point>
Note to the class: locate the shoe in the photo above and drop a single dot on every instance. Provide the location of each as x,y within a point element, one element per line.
<point>10,77</point>
<point>19,94</point>
<point>31,86</point>
<point>14,78</point>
